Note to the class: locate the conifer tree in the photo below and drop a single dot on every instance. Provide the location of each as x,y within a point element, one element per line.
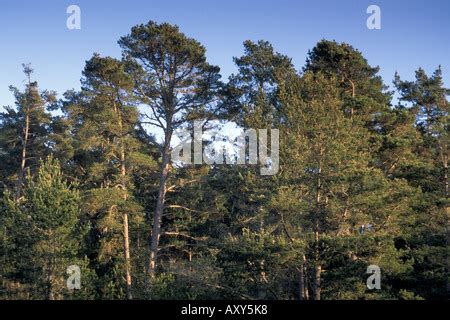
<point>428,97</point>
<point>424,236</point>
<point>24,132</point>
<point>107,153</point>
<point>44,231</point>
<point>177,85</point>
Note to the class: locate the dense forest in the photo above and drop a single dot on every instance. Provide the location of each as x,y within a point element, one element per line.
<point>87,179</point>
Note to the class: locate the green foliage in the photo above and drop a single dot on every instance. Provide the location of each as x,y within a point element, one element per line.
<point>360,182</point>
<point>29,116</point>
<point>43,233</point>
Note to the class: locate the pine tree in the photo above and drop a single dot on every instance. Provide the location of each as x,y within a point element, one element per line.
<point>326,164</point>
<point>177,85</point>
<point>44,231</point>
<point>428,97</point>
<point>424,237</point>
<point>24,132</point>
<point>252,92</point>
<point>107,154</point>
<point>360,85</point>
<point>252,99</point>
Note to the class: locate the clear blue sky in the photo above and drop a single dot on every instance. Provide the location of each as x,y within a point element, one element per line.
<point>413,33</point>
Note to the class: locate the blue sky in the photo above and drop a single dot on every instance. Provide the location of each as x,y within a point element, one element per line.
<point>413,33</point>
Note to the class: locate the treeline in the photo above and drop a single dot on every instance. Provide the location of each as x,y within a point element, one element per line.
<point>86,182</point>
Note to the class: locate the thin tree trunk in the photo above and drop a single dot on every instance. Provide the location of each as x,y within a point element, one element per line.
<point>428,121</point>
<point>24,156</point>
<point>445,163</point>
<point>305,277</point>
<point>126,238</point>
<point>24,140</point>
<point>353,96</point>
<point>263,279</point>
<point>317,279</point>
<point>318,267</point>
<point>448,244</point>
<point>443,152</point>
<point>303,283</point>
<point>262,273</point>
<point>126,245</point>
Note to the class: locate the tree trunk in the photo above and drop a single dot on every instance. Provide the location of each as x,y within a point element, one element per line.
<point>448,244</point>
<point>428,120</point>
<point>353,96</point>
<point>157,218</point>
<point>318,267</point>
<point>126,249</point>
<point>262,263</point>
<point>24,156</point>
<point>126,238</point>
<point>306,281</point>
<point>303,283</point>
<point>317,287</point>
<point>445,163</point>
<point>263,280</point>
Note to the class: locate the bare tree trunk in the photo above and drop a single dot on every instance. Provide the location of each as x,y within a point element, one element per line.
<point>262,273</point>
<point>157,218</point>
<point>448,245</point>
<point>26,133</point>
<point>126,238</point>
<point>352,83</point>
<point>263,280</point>
<point>445,163</point>
<point>24,156</point>
<point>305,277</point>
<point>164,174</point>
<point>443,152</point>
<point>318,267</point>
<point>428,121</point>
<point>126,245</point>
<point>303,283</point>
<point>317,279</point>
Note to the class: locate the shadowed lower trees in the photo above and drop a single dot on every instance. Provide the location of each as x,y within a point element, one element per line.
<point>43,237</point>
